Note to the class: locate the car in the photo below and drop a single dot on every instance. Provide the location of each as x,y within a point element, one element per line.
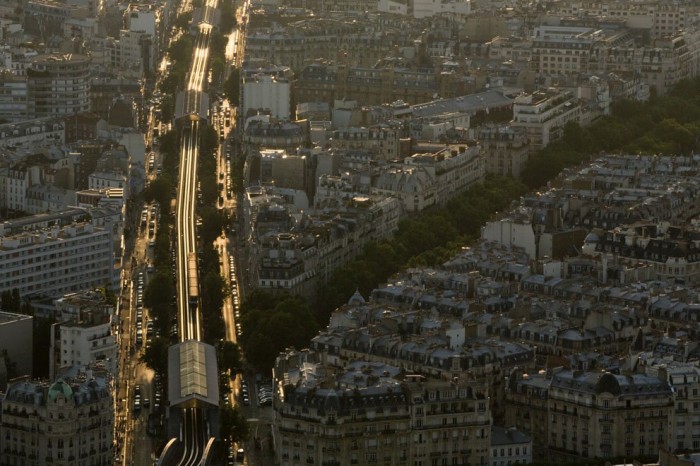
<point>146,402</point>
<point>246,401</point>
<point>240,455</point>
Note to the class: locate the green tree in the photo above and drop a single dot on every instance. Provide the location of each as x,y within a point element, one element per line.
<point>10,365</point>
<point>161,191</point>
<point>233,425</point>
<point>155,356</point>
<point>224,384</point>
<point>213,223</point>
<point>183,20</point>
<point>208,140</point>
<point>228,356</point>
<point>11,301</point>
<point>268,331</point>
<point>158,297</point>
<point>181,50</point>
<point>231,87</point>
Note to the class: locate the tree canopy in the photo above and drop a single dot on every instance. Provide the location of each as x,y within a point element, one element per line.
<point>664,125</point>
<point>229,356</point>
<point>231,87</point>
<point>233,425</point>
<point>273,323</point>
<point>155,356</point>
<point>427,239</point>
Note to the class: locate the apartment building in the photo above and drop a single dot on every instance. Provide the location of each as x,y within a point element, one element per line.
<point>382,141</point>
<point>48,198</point>
<point>684,379</point>
<point>69,421</point>
<point>595,414</point>
<point>414,187</point>
<point>83,333</point>
<point>42,131</point>
<point>266,93</point>
<point>13,97</point>
<point>18,179</point>
<point>45,18</point>
<point>296,262</point>
<point>58,260</point>
<point>543,115</point>
<point>505,149</point>
<point>369,414</point>
<point>425,8</point>
<point>262,133</point>
<point>671,251</point>
<point>526,399</point>
<point>58,84</point>
<point>659,19</point>
<point>509,446</point>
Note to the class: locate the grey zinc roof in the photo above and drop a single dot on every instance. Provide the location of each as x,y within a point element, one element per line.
<point>193,375</point>
<point>507,436</point>
<point>465,104</point>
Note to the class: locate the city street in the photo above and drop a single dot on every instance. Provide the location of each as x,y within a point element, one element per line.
<point>130,425</point>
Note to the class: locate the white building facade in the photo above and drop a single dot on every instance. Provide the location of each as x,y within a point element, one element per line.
<point>267,93</point>
<point>57,261</point>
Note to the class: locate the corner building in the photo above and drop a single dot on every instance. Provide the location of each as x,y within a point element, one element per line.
<point>68,422</point>
<point>381,420</point>
<point>58,84</point>
<point>598,414</point>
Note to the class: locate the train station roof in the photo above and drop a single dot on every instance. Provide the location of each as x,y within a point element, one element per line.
<point>193,375</point>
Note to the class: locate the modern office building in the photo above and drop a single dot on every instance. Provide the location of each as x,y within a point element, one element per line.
<point>70,421</point>
<point>543,115</point>
<point>58,84</point>
<point>58,260</point>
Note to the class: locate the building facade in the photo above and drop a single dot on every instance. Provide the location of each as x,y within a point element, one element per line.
<point>57,261</point>
<point>597,414</point>
<point>68,422</point>
<point>369,417</point>
<point>17,337</point>
<point>58,85</point>
<point>83,334</point>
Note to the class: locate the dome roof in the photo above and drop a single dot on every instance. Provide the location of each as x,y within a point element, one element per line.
<point>60,388</point>
<point>332,402</point>
<point>591,238</point>
<point>608,383</point>
<point>356,299</point>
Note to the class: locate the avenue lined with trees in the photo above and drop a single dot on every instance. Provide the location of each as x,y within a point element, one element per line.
<point>664,125</point>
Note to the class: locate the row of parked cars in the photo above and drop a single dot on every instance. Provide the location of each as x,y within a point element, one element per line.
<point>234,295</point>
<point>144,326</point>
<point>265,395</point>
<point>138,402</point>
<point>245,395</point>
<point>236,457</point>
<point>140,284</point>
